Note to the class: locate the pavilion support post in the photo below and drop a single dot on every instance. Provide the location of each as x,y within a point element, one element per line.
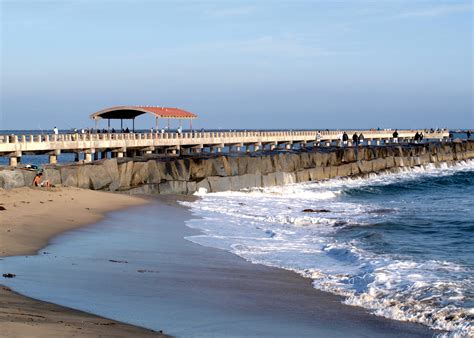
<point>191,125</point>
<point>156,124</point>
<point>168,124</point>
<point>121,125</point>
<point>108,124</point>
<point>133,124</point>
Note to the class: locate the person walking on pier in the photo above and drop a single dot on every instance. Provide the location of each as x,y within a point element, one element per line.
<point>355,139</point>
<point>417,137</point>
<point>345,138</point>
<point>395,136</point>
<point>468,134</point>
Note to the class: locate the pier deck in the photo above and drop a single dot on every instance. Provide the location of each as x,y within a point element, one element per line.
<point>120,144</point>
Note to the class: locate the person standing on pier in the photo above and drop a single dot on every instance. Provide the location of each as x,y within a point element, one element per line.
<point>345,138</point>
<point>355,139</point>
<point>468,134</point>
<point>55,131</point>
<point>395,136</point>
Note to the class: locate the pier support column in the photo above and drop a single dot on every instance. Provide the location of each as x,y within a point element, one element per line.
<point>96,156</point>
<point>377,142</point>
<point>77,156</point>
<point>13,161</point>
<point>119,154</point>
<point>88,157</point>
<point>53,156</point>
<point>257,146</point>
<point>103,155</point>
<point>53,159</point>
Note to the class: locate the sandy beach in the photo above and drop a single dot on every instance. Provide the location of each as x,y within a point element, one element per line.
<point>28,219</point>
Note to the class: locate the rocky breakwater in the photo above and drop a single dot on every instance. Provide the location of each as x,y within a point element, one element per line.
<point>221,172</point>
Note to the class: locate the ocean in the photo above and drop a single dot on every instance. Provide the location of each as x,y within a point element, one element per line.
<point>400,245</point>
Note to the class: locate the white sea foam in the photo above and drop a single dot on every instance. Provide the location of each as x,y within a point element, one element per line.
<point>268,226</point>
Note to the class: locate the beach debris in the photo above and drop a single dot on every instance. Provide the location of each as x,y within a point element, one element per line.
<point>2,208</point>
<point>117,261</point>
<point>316,210</point>
<point>9,275</point>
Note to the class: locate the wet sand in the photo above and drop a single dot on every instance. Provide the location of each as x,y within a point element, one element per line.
<point>201,291</point>
<point>29,217</point>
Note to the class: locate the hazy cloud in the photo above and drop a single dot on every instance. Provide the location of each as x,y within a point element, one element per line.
<point>438,10</point>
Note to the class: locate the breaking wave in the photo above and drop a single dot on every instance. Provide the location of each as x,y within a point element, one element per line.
<point>399,244</point>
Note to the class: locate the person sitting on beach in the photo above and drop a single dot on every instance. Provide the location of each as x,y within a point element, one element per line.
<point>38,183</point>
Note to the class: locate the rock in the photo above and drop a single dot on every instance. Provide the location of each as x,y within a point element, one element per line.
<point>140,174</point>
<point>10,179</point>
<point>217,183</point>
<point>173,188</point>
<point>302,176</point>
<point>68,176</point>
<point>316,210</point>
<point>111,168</point>
<point>245,181</point>
<point>52,175</point>
<point>125,174</point>
<point>203,184</point>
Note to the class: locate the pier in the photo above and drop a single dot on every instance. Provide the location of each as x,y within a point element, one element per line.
<point>94,146</point>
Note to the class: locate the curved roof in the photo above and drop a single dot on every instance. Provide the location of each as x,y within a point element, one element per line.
<point>130,112</point>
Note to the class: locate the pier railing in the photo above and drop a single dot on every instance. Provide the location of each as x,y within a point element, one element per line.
<point>120,144</point>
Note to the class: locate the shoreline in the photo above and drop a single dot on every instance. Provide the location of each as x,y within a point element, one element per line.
<point>30,219</point>
<point>251,288</point>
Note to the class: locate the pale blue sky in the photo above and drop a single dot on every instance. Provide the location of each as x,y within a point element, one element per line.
<point>240,64</point>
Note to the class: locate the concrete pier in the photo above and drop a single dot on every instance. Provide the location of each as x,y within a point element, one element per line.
<point>118,144</point>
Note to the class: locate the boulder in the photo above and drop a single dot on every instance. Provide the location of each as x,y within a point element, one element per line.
<point>302,176</point>
<point>268,180</point>
<point>218,183</point>
<point>69,176</point>
<point>245,181</point>
<point>173,188</point>
<point>139,174</point>
<point>111,167</point>
<point>125,174</point>
<point>52,175</point>
<point>317,174</point>
<point>10,179</point>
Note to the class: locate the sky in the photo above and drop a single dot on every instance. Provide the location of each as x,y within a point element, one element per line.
<point>239,64</point>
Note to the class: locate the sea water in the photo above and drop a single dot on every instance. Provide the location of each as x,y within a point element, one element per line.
<point>400,245</point>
